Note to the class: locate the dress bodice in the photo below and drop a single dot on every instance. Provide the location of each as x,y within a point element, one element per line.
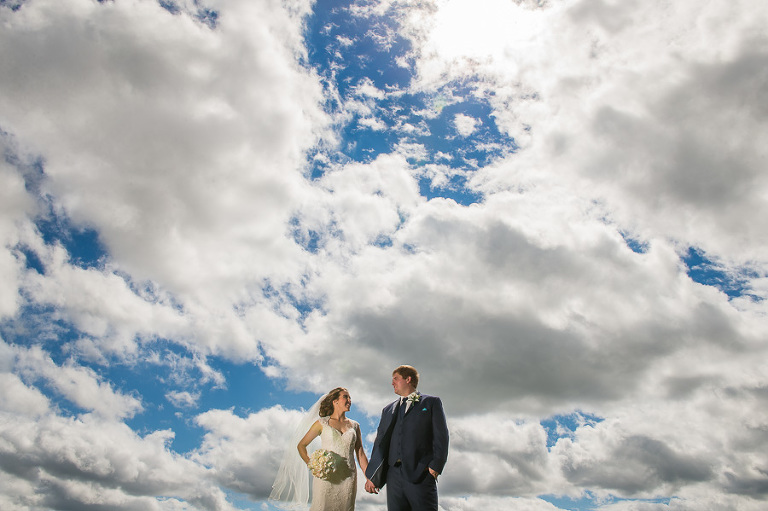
<point>342,444</point>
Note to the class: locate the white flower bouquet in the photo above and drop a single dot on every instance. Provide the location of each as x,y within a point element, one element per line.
<point>322,463</point>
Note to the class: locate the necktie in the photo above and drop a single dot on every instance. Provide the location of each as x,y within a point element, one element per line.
<point>402,406</point>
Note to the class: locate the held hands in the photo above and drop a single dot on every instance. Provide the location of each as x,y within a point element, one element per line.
<point>371,488</point>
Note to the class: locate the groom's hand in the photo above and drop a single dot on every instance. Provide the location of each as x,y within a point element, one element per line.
<point>370,487</point>
<point>433,473</point>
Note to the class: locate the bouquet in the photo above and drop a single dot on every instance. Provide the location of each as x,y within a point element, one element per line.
<point>322,463</point>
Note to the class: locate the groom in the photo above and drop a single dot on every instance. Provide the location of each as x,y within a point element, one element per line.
<point>411,447</point>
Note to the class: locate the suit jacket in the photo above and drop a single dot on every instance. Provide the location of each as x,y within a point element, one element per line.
<point>424,440</point>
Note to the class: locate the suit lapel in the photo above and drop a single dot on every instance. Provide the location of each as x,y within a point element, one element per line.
<point>413,405</point>
<point>392,415</point>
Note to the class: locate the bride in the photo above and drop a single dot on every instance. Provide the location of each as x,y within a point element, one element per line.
<point>340,441</point>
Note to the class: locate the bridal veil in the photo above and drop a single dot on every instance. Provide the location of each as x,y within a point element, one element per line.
<point>291,487</point>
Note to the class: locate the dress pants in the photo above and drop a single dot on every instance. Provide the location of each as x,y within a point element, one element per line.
<point>403,495</point>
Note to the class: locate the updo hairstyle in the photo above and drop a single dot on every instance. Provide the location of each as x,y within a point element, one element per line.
<point>326,406</point>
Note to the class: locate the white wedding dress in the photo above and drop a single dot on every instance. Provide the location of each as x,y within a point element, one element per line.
<point>338,492</point>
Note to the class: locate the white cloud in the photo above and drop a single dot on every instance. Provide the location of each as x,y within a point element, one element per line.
<point>465,124</point>
<point>345,41</point>
<point>80,385</point>
<point>366,88</point>
<point>89,461</point>
<point>101,304</point>
<point>501,456</point>
<point>189,179</point>
<point>55,462</point>
<point>245,453</point>
<point>17,398</point>
<point>373,123</point>
<point>494,503</point>
<point>182,399</point>
<point>629,102</point>
<point>528,284</point>
<point>15,205</point>
<point>187,176</point>
<point>367,200</point>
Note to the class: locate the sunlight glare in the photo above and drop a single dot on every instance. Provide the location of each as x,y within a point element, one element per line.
<point>483,30</point>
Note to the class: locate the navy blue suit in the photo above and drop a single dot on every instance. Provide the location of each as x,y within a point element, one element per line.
<point>407,445</point>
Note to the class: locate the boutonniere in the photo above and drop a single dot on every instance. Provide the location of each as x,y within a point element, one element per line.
<point>414,397</point>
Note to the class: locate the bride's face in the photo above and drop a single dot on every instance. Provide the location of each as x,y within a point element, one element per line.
<point>343,403</point>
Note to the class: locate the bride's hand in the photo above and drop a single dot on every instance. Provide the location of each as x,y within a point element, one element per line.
<point>370,487</point>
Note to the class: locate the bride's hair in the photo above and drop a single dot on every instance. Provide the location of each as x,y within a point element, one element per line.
<point>326,406</point>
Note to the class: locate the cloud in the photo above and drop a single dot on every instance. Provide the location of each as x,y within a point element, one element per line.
<point>373,123</point>
<point>245,453</point>
<point>641,464</point>
<point>489,502</point>
<point>366,88</point>
<point>80,385</point>
<point>189,189</point>
<point>671,153</point>
<point>94,459</point>
<point>514,297</point>
<point>465,124</point>
<point>102,304</point>
<point>182,399</point>
<point>58,462</point>
<point>16,204</point>
<point>502,457</point>
<point>15,397</point>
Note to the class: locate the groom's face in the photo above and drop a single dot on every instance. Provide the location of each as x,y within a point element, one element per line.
<point>401,385</point>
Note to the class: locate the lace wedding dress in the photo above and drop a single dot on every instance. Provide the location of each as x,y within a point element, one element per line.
<point>337,493</point>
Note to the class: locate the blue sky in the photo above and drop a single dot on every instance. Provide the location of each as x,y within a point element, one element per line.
<point>214,211</point>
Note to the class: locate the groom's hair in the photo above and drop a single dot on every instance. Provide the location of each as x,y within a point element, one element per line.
<point>408,371</point>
